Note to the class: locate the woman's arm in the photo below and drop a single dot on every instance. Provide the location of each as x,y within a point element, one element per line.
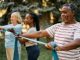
<point>38,34</point>
<point>1,27</point>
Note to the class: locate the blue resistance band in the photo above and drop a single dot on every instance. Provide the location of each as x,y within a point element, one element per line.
<point>54,52</point>
<point>16,54</point>
<point>55,55</point>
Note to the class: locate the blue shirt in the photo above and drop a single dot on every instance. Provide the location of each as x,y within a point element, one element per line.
<point>10,37</point>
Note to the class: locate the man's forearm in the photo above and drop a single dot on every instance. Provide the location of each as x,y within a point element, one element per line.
<point>73,45</point>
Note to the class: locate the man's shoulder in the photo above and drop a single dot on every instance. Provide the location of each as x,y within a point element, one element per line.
<point>78,24</point>
<point>58,24</point>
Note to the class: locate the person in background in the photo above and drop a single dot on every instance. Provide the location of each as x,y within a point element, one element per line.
<point>10,36</point>
<point>64,33</point>
<point>31,25</point>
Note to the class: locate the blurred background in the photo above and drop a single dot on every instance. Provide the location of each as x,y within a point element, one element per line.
<point>48,12</point>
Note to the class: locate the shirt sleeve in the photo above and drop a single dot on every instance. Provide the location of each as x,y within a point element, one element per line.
<point>18,29</point>
<point>7,26</point>
<point>77,34</point>
<point>51,30</point>
<point>32,30</point>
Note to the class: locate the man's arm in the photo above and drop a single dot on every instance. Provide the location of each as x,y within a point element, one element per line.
<point>73,45</point>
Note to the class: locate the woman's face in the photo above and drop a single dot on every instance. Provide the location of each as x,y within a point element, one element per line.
<point>14,19</point>
<point>66,14</point>
<point>28,19</point>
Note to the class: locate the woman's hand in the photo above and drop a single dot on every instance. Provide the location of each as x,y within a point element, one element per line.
<point>23,35</point>
<point>22,40</point>
<point>48,46</point>
<point>1,28</point>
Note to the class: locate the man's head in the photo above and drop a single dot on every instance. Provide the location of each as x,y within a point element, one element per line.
<point>68,12</point>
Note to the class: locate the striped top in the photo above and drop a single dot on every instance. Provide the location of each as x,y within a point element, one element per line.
<point>64,34</point>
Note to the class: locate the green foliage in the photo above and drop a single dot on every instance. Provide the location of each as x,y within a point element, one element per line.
<point>29,7</point>
<point>2,50</point>
<point>44,53</point>
<point>46,9</point>
<point>3,5</point>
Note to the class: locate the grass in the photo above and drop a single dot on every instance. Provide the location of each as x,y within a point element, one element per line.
<point>2,50</point>
<point>44,53</point>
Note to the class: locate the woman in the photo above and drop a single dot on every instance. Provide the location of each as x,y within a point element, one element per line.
<point>31,24</point>
<point>63,32</point>
<point>10,36</point>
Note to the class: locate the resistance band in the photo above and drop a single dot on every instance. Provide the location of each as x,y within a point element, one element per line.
<point>54,53</point>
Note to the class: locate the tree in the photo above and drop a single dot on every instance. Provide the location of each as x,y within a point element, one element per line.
<point>15,1</point>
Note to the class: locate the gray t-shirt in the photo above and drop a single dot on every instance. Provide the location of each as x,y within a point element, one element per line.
<point>29,43</point>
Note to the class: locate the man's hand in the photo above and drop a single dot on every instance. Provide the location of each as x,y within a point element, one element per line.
<point>51,45</point>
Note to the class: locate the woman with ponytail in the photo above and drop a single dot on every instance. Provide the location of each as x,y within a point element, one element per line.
<point>31,25</point>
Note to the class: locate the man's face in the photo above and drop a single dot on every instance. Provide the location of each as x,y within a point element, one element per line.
<point>67,14</point>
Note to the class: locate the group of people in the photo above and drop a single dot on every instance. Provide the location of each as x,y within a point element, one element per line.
<point>31,20</point>
<point>66,34</point>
